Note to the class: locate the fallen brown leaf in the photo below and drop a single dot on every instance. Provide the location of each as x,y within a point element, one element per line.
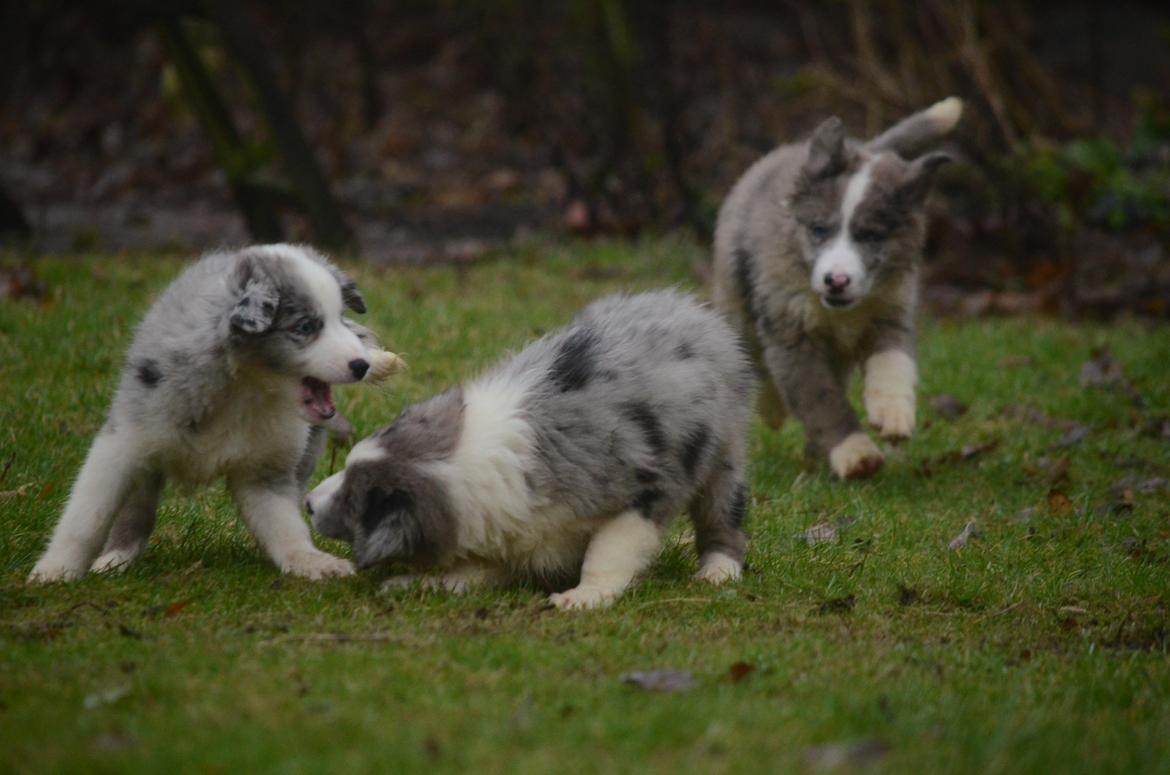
<point>1059,503</point>
<point>176,608</point>
<point>739,671</point>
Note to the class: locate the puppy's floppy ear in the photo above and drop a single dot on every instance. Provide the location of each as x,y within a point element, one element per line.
<point>349,291</point>
<point>826,149</point>
<point>391,528</point>
<point>919,176</point>
<point>257,298</point>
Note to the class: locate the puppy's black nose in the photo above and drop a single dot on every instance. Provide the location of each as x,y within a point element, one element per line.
<point>359,367</point>
<point>836,282</point>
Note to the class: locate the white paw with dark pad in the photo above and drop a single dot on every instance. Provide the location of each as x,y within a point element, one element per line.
<point>856,457</point>
<point>717,568</point>
<point>114,561</point>
<point>316,565</point>
<point>581,598</point>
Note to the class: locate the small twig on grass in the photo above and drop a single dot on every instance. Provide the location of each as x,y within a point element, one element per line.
<point>991,615</point>
<point>649,603</point>
<point>334,637</point>
<point>1000,612</point>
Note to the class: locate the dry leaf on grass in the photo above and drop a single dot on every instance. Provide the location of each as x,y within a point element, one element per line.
<point>852,754</point>
<point>819,534</point>
<point>105,697</point>
<point>666,680</point>
<point>1059,503</point>
<point>1103,370</point>
<point>838,605</point>
<point>947,406</point>
<point>740,670</point>
<point>969,531</point>
<point>1073,436</point>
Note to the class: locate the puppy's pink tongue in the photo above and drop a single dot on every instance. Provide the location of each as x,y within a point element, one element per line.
<point>317,399</point>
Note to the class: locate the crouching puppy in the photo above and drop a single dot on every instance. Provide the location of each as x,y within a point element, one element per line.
<point>567,460</point>
<point>817,254</point>
<point>228,375</point>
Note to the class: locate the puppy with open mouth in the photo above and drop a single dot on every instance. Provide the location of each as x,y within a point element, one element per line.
<point>817,255</point>
<point>568,460</point>
<point>228,375</point>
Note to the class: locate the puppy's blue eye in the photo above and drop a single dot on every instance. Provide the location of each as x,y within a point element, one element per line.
<point>818,233</point>
<point>306,327</point>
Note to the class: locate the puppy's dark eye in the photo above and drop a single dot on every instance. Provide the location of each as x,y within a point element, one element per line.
<point>818,232</point>
<point>870,235</point>
<point>306,327</point>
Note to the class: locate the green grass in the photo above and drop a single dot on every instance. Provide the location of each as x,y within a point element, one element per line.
<point>1040,647</point>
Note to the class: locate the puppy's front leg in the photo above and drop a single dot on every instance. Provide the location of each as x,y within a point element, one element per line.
<point>623,547</point>
<point>816,395</point>
<point>102,486</point>
<point>890,380</point>
<point>272,515</point>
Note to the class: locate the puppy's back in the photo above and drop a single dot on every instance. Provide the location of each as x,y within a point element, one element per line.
<point>636,389</point>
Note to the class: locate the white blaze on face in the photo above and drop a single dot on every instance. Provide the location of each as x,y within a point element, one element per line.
<point>328,357</point>
<point>842,256</point>
<point>320,500</point>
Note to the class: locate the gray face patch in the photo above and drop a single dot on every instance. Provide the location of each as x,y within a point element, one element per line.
<point>277,316</point>
<point>859,220</point>
<point>258,298</point>
<point>388,507</point>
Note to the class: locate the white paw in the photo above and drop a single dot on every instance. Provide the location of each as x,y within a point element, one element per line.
<point>581,598</point>
<point>456,584</point>
<point>892,415</point>
<point>856,457</point>
<point>50,569</point>
<point>316,565</point>
<point>717,568</point>
<point>114,560</point>
<point>399,583</point>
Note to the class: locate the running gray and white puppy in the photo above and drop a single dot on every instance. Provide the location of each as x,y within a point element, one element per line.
<point>569,458</point>
<point>228,375</point>
<point>817,254</point>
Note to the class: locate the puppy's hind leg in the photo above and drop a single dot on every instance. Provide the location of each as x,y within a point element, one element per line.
<point>314,448</point>
<point>110,469</point>
<point>623,547</point>
<point>770,405</point>
<point>718,513</point>
<point>132,525</point>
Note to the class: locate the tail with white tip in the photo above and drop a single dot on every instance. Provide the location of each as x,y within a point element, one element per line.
<point>914,134</point>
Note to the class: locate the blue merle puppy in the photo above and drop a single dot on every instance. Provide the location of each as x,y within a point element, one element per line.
<point>569,459</point>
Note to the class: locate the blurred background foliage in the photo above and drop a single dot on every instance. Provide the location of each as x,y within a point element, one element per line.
<point>440,130</point>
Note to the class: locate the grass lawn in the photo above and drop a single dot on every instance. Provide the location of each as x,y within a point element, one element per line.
<point>1042,646</point>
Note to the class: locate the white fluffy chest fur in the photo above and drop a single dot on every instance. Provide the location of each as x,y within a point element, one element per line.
<point>498,519</point>
<point>258,426</point>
